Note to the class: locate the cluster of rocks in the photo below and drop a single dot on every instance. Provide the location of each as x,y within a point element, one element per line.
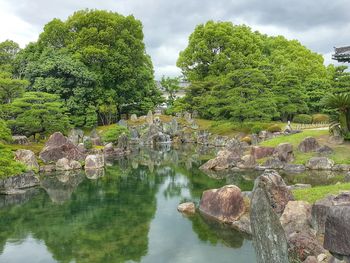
<point>282,228</point>
<point>280,157</point>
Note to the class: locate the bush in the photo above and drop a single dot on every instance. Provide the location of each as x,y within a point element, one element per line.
<point>5,132</point>
<point>274,128</point>
<point>9,166</point>
<point>257,128</point>
<point>88,144</point>
<point>302,118</point>
<point>112,134</point>
<point>320,118</point>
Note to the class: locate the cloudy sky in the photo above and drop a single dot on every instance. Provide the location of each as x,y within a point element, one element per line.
<point>318,24</point>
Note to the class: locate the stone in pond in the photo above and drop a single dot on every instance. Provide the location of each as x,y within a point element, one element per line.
<point>224,204</point>
<point>320,163</point>
<point>187,208</point>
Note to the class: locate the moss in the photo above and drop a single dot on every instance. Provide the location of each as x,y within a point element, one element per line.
<point>313,194</point>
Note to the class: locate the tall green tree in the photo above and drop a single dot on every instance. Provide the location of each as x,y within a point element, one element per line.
<point>171,86</point>
<point>91,54</point>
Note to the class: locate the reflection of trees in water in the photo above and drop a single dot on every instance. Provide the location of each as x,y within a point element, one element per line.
<point>106,220</point>
<point>214,232</point>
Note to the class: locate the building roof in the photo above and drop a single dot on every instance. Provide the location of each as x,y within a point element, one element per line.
<point>341,54</point>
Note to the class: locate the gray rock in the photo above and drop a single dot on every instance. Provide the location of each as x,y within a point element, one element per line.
<point>203,137</point>
<point>123,123</point>
<point>133,117</point>
<point>247,162</point>
<point>268,235</point>
<point>273,163</point>
<point>320,163</point>
<point>66,165</point>
<point>149,117</point>
<point>94,161</point>
<point>12,183</point>
<point>324,150</point>
<point>27,158</point>
<point>123,142</point>
<point>284,152</point>
<point>304,244</point>
<point>76,136</point>
<point>336,139</point>
<point>19,139</point>
<point>341,167</point>
<point>309,144</point>
<point>310,259</point>
<point>337,230</point>
<point>47,168</point>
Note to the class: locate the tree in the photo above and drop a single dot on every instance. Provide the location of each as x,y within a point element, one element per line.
<point>239,74</point>
<point>8,51</point>
<point>5,132</point>
<point>11,88</point>
<point>36,113</point>
<point>91,54</point>
<point>171,86</point>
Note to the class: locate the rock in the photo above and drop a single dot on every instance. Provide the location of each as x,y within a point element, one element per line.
<point>336,139</point>
<point>284,152</point>
<point>261,152</point>
<point>273,163</point>
<point>203,137</point>
<point>235,147</point>
<point>47,168</point>
<point>10,184</point>
<point>123,142</point>
<point>337,230</point>
<point>188,208</point>
<point>341,167</point>
<point>243,224</point>
<point>94,161</point>
<point>224,160</point>
<point>320,163</point>
<point>224,204</point>
<point>94,174</point>
<point>268,235</point>
<point>296,217</point>
<point>22,140</point>
<point>65,165</point>
<point>309,144</point>
<point>324,150</point>
<point>149,117</point>
<point>310,259</point>
<point>247,162</point>
<point>219,141</point>
<point>57,147</point>
<point>265,135</point>
<point>321,209</point>
<point>294,168</point>
<point>339,259</point>
<point>123,123</point>
<point>76,136</point>
<point>303,245</point>
<point>277,191</point>
<point>28,158</point>
<point>133,117</point>
<point>321,257</point>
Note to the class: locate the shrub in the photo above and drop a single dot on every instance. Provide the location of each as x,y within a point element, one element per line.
<point>320,118</point>
<point>8,165</point>
<point>257,128</point>
<point>302,118</point>
<point>112,134</point>
<point>274,128</point>
<point>88,144</point>
<point>5,132</point>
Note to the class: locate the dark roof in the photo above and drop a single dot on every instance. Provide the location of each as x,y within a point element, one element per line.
<point>342,54</point>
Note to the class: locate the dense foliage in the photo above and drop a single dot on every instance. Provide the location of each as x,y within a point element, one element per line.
<point>242,75</point>
<point>36,113</point>
<point>96,62</point>
<point>112,134</point>
<point>171,86</point>
<point>7,163</point>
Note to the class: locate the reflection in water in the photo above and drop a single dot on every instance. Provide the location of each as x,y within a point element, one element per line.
<point>127,214</point>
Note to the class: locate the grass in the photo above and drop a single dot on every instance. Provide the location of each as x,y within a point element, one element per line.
<point>313,194</point>
<point>34,147</point>
<point>341,153</point>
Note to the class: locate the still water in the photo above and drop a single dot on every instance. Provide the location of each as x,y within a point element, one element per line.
<point>127,215</point>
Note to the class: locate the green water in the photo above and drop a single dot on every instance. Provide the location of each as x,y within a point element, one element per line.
<point>127,215</point>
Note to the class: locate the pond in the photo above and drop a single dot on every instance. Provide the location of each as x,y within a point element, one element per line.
<point>127,215</point>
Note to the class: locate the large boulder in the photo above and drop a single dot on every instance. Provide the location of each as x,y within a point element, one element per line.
<point>225,204</point>
<point>284,152</point>
<point>309,144</point>
<point>261,152</point>
<point>277,191</point>
<point>20,139</point>
<point>337,230</point>
<point>57,147</point>
<point>296,217</point>
<point>94,161</point>
<point>225,159</point>
<point>65,165</point>
<point>269,238</point>
<point>123,142</point>
<point>304,244</point>
<point>320,163</point>
<point>247,162</point>
<point>28,158</point>
<point>10,184</point>
<point>274,163</point>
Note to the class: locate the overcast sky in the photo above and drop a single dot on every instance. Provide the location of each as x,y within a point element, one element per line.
<point>318,24</point>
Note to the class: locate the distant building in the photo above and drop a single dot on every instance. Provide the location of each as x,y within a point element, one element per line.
<point>342,54</point>
<point>179,94</point>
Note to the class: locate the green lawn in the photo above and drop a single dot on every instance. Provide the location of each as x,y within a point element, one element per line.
<point>313,194</point>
